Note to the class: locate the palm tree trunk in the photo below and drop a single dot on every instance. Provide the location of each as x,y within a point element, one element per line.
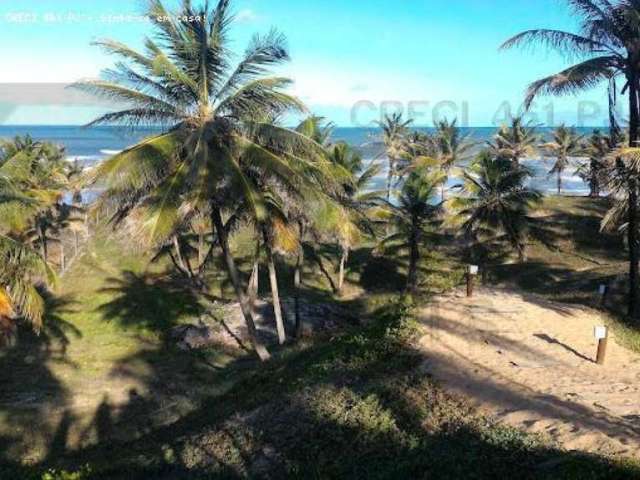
<point>593,180</point>
<point>633,203</point>
<point>181,264</point>
<point>389,179</point>
<point>232,270</point>
<point>559,181</point>
<point>522,253</point>
<point>414,257</point>
<point>275,293</point>
<point>63,260</point>
<point>343,262</point>
<point>252,291</point>
<point>253,287</point>
<point>44,245</point>
<point>297,282</point>
<point>200,248</point>
<point>76,243</point>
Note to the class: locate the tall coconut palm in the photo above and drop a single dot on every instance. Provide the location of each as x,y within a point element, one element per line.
<point>565,144</point>
<point>303,212</point>
<point>607,47</point>
<point>495,202</point>
<point>416,215</point>
<point>395,131</point>
<point>514,141</point>
<point>451,147</point>
<point>598,147</point>
<point>348,218</point>
<point>274,234</point>
<point>278,235</point>
<point>217,126</point>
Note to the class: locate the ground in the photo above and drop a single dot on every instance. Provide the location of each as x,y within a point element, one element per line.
<point>103,388</point>
<point>530,362</point>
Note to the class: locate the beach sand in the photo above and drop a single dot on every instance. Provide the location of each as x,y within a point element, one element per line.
<point>529,362</point>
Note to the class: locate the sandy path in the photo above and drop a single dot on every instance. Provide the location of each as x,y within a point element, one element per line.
<point>528,362</point>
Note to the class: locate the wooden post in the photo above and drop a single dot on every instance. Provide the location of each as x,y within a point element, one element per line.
<point>602,335</point>
<point>472,271</point>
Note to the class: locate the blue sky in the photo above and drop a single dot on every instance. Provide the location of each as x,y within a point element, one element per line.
<point>351,60</point>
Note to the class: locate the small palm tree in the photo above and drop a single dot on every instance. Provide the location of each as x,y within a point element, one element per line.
<point>354,200</point>
<point>416,215</point>
<point>621,164</point>
<point>451,147</point>
<point>39,171</point>
<point>317,129</point>
<point>25,144</point>
<point>219,126</point>
<point>565,143</point>
<point>598,147</point>
<point>495,202</point>
<point>395,131</point>
<point>21,267</point>
<point>607,47</point>
<point>514,141</point>
<point>75,179</point>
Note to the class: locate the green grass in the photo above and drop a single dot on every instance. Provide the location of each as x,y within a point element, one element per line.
<point>103,342</point>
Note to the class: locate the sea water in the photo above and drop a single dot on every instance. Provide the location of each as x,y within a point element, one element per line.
<point>90,145</point>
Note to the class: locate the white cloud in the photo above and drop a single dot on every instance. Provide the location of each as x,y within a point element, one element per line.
<point>246,16</point>
<point>328,85</point>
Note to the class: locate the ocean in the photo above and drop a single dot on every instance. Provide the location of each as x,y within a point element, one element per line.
<point>91,145</point>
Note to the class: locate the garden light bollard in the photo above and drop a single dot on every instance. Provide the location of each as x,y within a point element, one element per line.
<point>472,271</point>
<point>602,335</point>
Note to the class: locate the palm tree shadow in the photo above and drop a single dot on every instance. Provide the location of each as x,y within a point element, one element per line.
<point>152,302</point>
<point>31,392</point>
<point>377,273</point>
<point>281,428</point>
<point>553,341</point>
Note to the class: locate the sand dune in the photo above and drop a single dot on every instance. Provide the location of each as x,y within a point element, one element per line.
<point>529,362</point>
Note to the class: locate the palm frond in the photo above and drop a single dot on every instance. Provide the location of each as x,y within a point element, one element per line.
<point>574,79</point>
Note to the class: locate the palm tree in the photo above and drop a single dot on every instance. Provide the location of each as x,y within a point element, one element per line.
<point>565,143</point>
<point>621,164</point>
<point>608,47</point>
<point>416,215</point>
<point>355,199</point>
<point>25,144</point>
<point>514,141</point>
<point>276,234</point>
<point>21,267</point>
<point>317,129</point>
<point>495,202</point>
<point>451,147</point>
<point>394,136</point>
<point>218,123</point>
<point>304,214</point>
<point>74,176</point>
<point>598,147</point>
<point>37,169</point>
